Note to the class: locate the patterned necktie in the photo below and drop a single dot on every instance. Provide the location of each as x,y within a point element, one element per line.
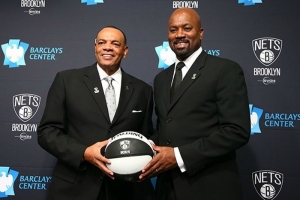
<point>177,79</point>
<point>110,98</point>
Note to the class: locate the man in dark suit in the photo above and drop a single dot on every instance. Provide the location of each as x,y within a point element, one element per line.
<point>203,124</point>
<point>76,124</point>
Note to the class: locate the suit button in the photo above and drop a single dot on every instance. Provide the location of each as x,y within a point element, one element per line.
<point>110,130</point>
<point>169,120</point>
<point>168,142</point>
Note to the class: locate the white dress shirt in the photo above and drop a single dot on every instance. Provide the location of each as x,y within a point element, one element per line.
<point>117,76</point>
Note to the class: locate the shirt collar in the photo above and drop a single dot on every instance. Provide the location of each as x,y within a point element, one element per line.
<point>117,76</point>
<point>191,59</point>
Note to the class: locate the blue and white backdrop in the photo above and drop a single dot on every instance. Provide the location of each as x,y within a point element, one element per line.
<point>38,38</point>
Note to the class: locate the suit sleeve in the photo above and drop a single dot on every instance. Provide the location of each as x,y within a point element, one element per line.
<point>53,128</point>
<point>147,127</point>
<point>233,122</point>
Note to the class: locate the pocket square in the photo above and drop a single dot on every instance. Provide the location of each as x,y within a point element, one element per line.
<point>136,111</point>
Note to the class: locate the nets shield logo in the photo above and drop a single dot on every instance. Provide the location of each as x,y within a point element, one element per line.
<point>267,49</point>
<point>26,105</point>
<point>14,52</point>
<point>267,183</point>
<point>125,144</point>
<point>165,54</point>
<point>7,180</point>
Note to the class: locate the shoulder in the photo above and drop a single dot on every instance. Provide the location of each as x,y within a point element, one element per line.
<point>76,71</point>
<point>136,81</point>
<point>221,62</point>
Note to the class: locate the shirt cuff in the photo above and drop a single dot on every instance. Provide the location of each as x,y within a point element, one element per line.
<point>179,160</point>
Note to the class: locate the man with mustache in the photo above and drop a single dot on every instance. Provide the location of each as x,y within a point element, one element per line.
<point>203,116</point>
<point>77,123</point>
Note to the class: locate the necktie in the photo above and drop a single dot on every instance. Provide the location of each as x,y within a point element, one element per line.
<point>177,79</point>
<point>110,98</point>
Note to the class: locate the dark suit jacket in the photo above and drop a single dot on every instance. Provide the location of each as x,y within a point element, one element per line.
<point>208,120</point>
<point>76,117</point>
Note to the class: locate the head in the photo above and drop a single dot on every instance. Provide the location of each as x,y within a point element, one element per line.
<point>110,48</point>
<point>184,32</point>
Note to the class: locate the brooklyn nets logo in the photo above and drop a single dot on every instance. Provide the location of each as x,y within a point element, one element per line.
<point>267,49</point>
<point>26,105</point>
<point>125,144</point>
<point>267,183</point>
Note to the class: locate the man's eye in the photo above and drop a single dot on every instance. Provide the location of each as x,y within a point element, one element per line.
<point>187,29</point>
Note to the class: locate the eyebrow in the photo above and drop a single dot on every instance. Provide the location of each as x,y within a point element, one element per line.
<point>97,40</point>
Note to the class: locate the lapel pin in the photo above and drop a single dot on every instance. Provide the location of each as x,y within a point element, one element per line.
<point>127,88</point>
<point>96,90</point>
<point>194,76</point>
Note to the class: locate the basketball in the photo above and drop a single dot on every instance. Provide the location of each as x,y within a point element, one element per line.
<point>129,152</point>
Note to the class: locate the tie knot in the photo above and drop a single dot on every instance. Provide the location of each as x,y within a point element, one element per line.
<point>108,79</point>
<point>180,65</point>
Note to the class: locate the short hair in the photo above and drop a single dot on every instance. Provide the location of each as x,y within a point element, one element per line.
<point>125,39</point>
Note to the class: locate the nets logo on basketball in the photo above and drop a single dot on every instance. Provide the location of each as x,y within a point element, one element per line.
<point>26,105</point>
<point>125,145</point>
<point>267,183</point>
<point>267,49</point>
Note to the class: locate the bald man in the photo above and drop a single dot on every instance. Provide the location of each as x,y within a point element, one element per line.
<point>201,122</point>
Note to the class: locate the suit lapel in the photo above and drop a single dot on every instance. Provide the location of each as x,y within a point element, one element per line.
<point>191,76</point>
<point>93,83</point>
<point>127,89</point>
<point>167,84</point>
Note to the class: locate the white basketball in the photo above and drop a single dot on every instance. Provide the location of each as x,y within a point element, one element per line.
<point>129,152</point>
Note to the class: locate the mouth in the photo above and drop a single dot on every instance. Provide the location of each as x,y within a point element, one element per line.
<point>107,56</point>
<point>181,44</point>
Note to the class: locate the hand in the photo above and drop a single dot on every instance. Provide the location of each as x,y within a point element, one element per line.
<point>162,161</point>
<point>93,155</point>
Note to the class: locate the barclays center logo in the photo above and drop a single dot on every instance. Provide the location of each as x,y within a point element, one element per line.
<point>165,55</point>
<point>14,52</point>
<point>249,2</point>
<point>91,2</point>
<point>255,115</point>
<point>7,180</point>
<point>267,183</point>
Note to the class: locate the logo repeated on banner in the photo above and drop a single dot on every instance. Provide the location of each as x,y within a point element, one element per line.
<point>92,2</point>
<point>167,57</point>
<point>267,50</point>
<point>185,4</point>
<point>7,180</point>
<point>267,183</point>
<point>14,52</point>
<point>249,2</point>
<point>271,120</point>
<point>255,115</point>
<point>25,107</point>
<point>33,4</point>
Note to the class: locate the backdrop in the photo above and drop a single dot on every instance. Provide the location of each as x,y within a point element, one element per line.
<point>41,37</point>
